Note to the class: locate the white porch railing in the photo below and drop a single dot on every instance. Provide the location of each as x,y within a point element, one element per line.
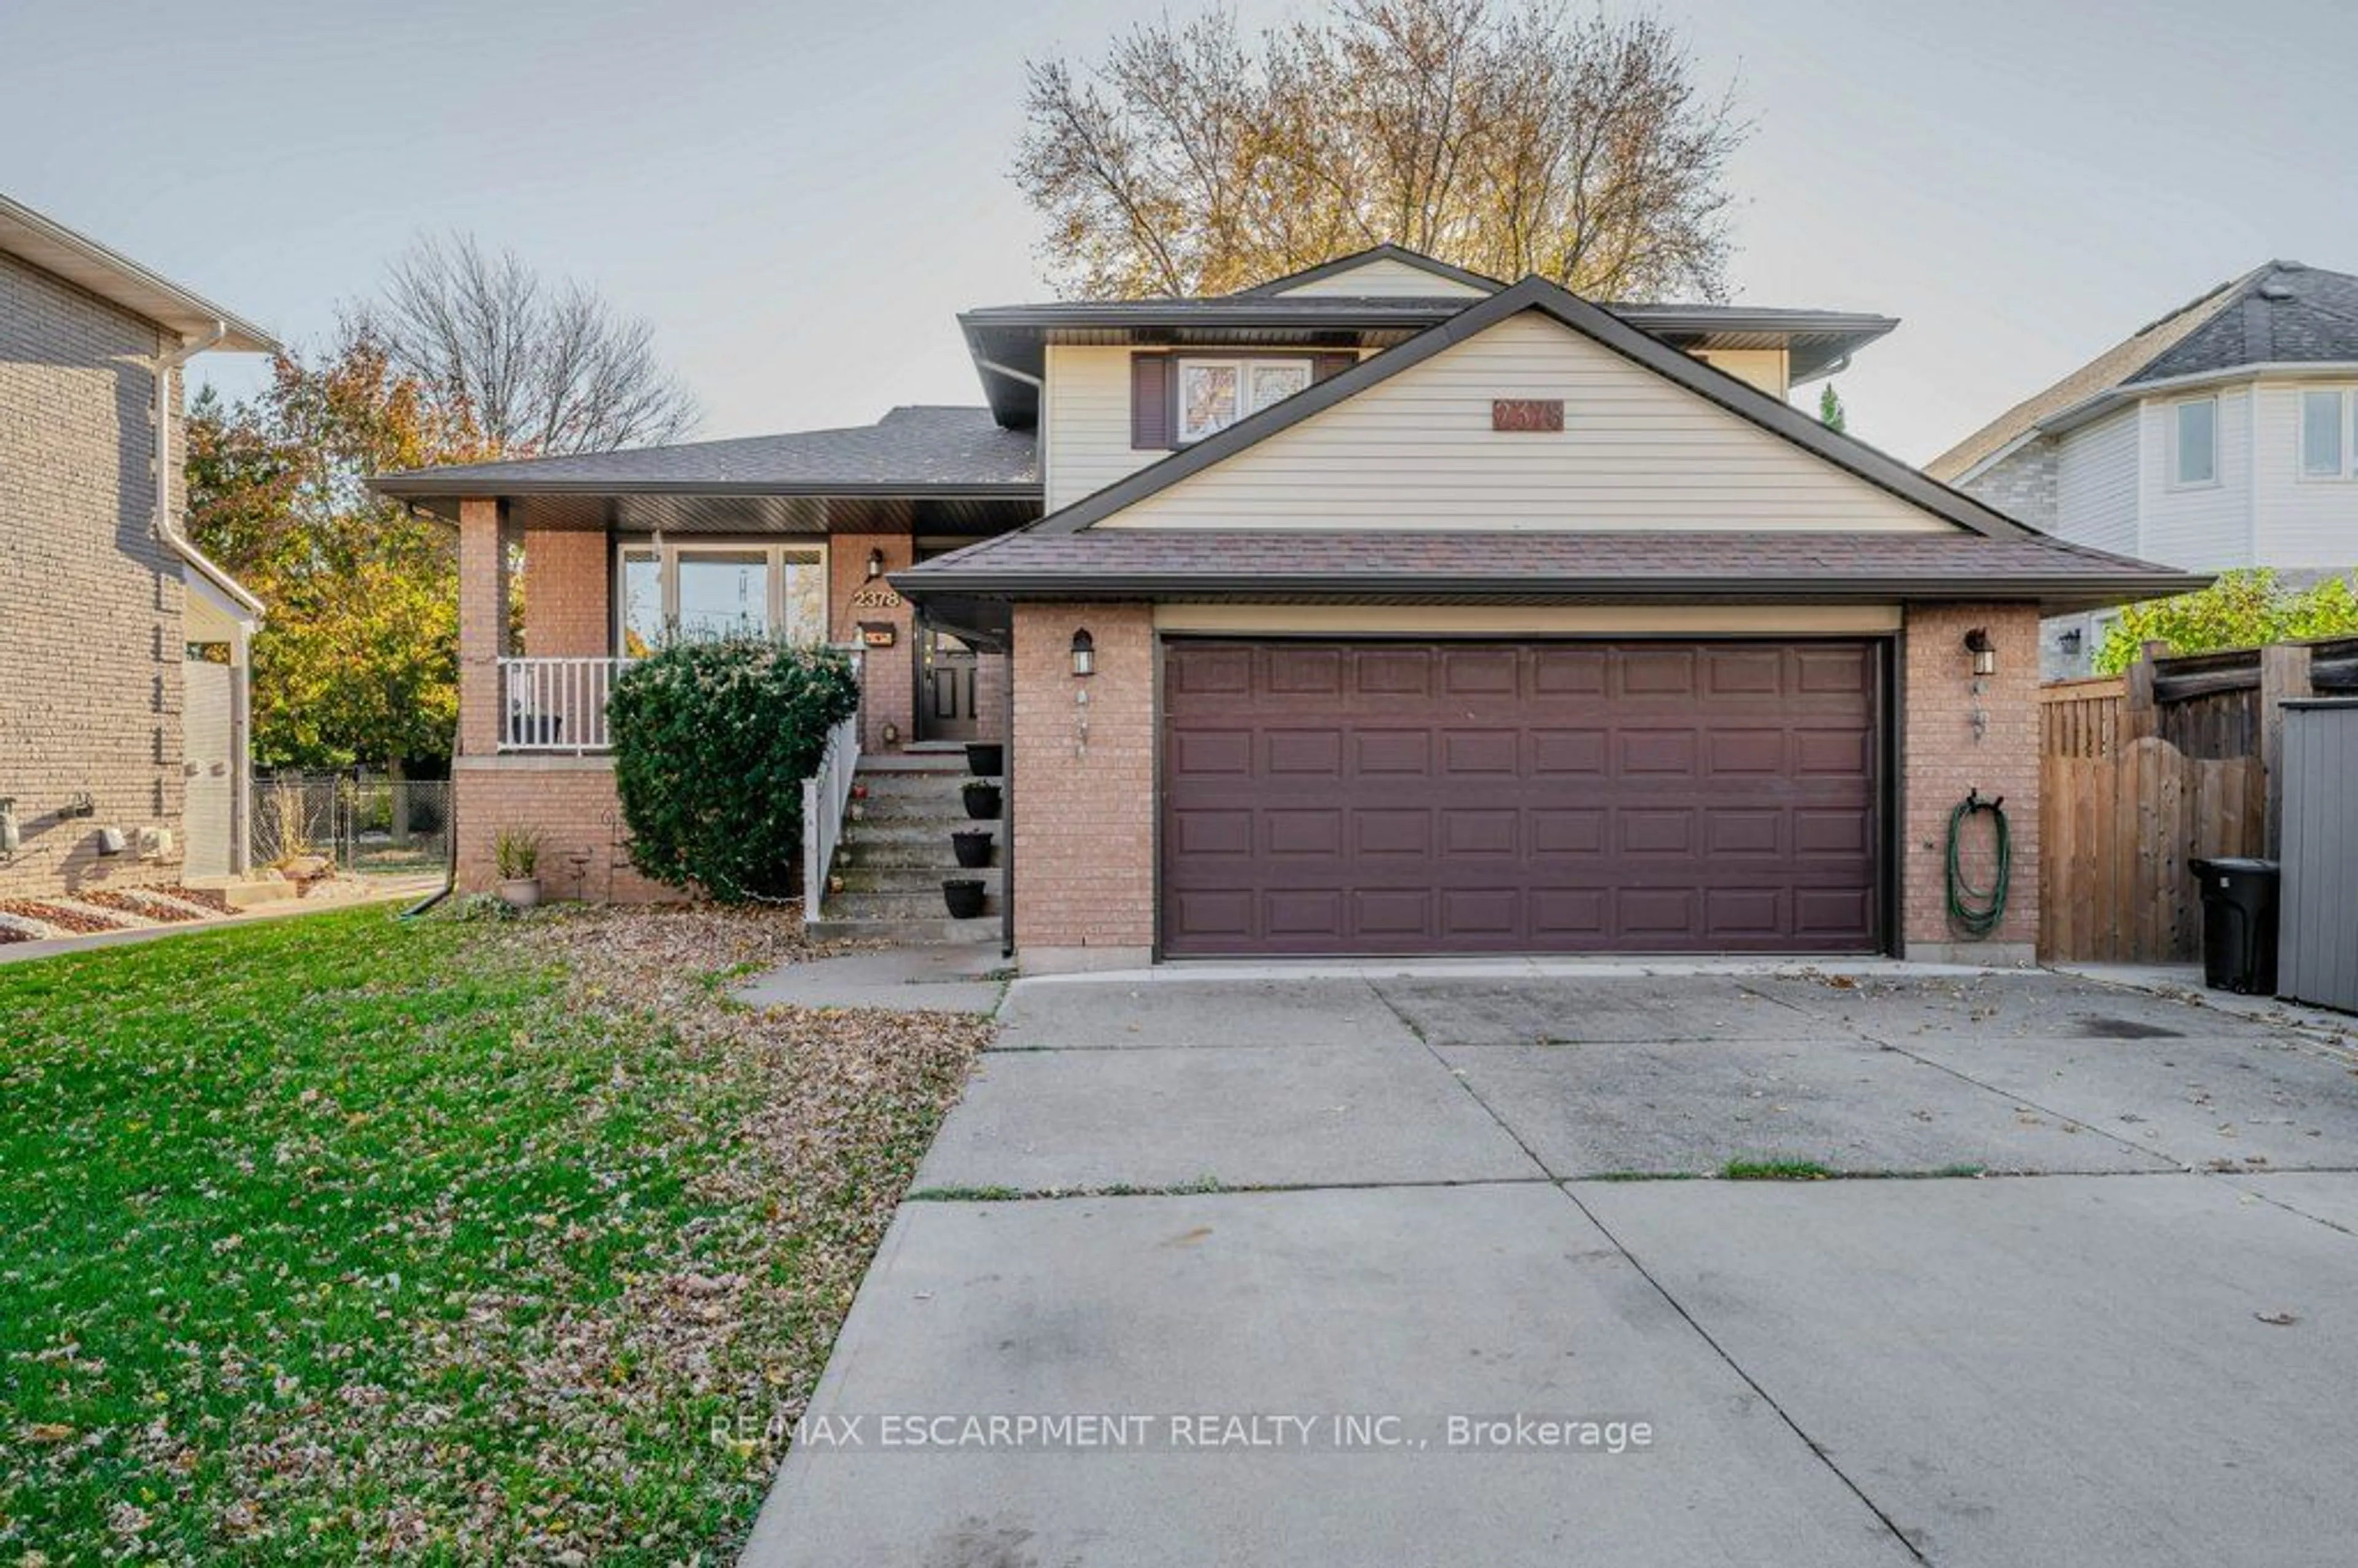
<point>555,704</point>
<point>826,794</point>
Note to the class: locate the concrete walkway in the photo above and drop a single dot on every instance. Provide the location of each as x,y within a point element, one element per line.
<point>1344,1267</point>
<point>961,979</point>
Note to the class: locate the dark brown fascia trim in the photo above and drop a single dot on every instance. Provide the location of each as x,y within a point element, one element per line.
<point>1386,251</point>
<point>418,486</point>
<point>985,582</point>
<point>1738,397</point>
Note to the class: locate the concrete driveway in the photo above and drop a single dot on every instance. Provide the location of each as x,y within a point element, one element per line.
<point>1411,1268</point>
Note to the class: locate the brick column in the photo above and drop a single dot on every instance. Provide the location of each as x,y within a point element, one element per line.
<point>1084,828</point>
<point>888,676</point>
<point>1965,733</point>
<point>482,624</point>
<point>565,583</point>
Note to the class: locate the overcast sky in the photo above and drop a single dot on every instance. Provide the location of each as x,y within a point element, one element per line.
<point>801,196</point>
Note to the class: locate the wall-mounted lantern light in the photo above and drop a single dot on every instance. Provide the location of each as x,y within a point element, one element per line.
<point>1985,652</point>
<point>1085,653</point>
<point>875,564</point>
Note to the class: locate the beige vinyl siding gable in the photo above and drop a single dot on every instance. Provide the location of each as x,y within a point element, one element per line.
<point>1764,368</point>
<point>1085,423</point>
<point>1417,451</point>
<point>1385,278</point>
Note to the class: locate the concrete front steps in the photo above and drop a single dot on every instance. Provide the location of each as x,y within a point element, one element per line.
<point>896,854</point>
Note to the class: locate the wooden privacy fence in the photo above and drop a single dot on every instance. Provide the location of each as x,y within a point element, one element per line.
<point>2117,833</point>
<point>2142,774</point>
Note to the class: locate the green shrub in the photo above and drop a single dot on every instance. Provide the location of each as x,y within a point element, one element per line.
<point>2244,609</point>
<point>712,742</point>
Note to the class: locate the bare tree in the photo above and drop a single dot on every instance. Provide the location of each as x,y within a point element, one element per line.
<point>1499,135</point>
<point>539,368</point>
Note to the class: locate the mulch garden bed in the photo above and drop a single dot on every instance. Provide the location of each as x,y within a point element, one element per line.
<point>67,920</point>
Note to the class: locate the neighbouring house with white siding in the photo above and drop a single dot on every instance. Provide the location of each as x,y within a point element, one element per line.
<point>2223,434</point>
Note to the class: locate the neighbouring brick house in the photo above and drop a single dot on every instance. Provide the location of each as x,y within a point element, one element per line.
<point>122,651</point>
<point>1380,608</point>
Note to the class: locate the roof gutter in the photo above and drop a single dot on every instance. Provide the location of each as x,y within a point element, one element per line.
<point>168,527</point>
<point>1820,373</point>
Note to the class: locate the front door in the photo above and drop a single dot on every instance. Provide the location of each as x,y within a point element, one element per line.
<point>946,710</point>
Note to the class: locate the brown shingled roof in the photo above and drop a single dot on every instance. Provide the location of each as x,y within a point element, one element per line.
<point>1493,566</point>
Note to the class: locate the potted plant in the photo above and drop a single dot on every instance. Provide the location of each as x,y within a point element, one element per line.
<point>973,847</point>
<point>964,897</point>
<point>982,800</point>
<point>515,855</point>
<point>988,758</point>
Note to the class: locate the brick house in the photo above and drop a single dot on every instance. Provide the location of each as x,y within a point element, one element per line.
<point>123,650</point>
<point>1380,609</point>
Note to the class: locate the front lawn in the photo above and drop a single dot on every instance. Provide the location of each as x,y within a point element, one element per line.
<point>337,1237</point>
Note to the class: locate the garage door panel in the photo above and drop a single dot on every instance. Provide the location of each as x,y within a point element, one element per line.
<point>1479,832</point>
<point>1756,832</point>
<point>1203,833</point>
<point>1404,752</point>
<point>1481,913</point>
<point>1481,672</point>
<point>1222,916</point>
<point>1201,754</point>
<point>1558,830</point>
<point>1655,831</point>
<point>1495,751</point>
<point>1742,672</point>
<point>1837,671</point>
<point>1399,831</point>
<point>1570,754</point>
<point>1656,753</point>
<point>1650,672</point>
<point>1744,913</point>
<point>1396,798</point>
<point>1305,831</point>
<point>1391,915</point>
<point>1305,911</point>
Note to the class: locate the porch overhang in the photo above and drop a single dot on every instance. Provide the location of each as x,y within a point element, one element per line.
<point>975,513</point>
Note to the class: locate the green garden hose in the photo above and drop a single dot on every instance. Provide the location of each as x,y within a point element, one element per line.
<point>1978,911</point>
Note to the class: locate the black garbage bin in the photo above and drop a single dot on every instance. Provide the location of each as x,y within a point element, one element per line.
<point>2239,924</point>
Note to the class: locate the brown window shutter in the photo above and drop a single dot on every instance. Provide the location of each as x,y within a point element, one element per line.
<point>1152,422</point>
<point>1324,365</point>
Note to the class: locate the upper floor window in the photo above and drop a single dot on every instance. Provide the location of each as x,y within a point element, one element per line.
<point>2194,442</point>
<point>1216,393</point>
<point>2324,432</point>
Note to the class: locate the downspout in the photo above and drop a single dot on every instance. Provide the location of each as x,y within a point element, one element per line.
<point>1007,856</point>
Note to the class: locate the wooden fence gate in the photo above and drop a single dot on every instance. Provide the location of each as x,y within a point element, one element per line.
<point>2117,833</point>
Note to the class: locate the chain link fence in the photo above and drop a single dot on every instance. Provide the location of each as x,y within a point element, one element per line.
<point>367,823</point>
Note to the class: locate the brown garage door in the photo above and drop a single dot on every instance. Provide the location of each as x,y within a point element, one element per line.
<point>1455,797</point>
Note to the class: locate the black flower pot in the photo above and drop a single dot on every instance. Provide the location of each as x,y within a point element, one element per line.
<point>964,896</point>
<point>982,801</point>
<point>987,758</point>
<point>973,847</point>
